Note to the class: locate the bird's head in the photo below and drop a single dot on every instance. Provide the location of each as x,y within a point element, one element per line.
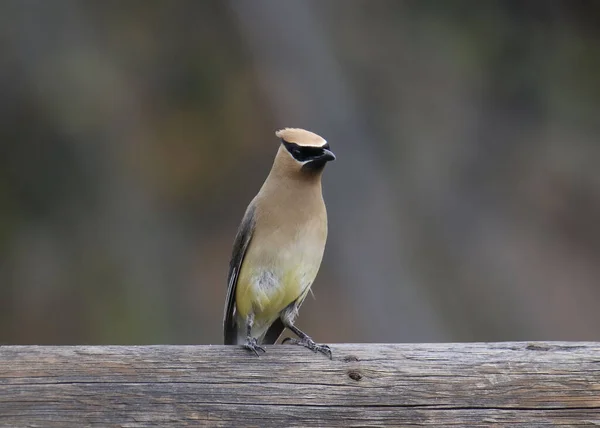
<point>303,151</point>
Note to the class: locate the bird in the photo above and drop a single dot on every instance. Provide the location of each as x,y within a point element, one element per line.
<point>279,247</point>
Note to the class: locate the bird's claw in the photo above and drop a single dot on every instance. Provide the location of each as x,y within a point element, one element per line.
<point>307,342</point>
<point>252,345</point>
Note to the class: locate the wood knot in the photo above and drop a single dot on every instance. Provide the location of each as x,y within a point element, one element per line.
<point>354,375</point>
<point>350,358</point>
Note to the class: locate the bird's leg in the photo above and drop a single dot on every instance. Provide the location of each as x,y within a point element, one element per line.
<point>251,342</point>
<point>304,339</point>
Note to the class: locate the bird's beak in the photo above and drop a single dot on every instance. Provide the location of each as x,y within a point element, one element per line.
<point>327,155</point>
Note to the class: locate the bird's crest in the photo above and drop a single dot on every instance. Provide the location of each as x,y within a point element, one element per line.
<point>301,137</point>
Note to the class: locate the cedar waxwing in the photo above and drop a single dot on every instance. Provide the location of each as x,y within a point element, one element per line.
<point>279,246</point>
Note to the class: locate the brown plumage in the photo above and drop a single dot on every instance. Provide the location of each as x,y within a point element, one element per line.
<point>279,246</point>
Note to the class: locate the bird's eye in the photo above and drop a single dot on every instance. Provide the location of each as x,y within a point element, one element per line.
<point>297,152</point>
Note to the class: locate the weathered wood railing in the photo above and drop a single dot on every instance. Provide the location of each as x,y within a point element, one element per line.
<point>510,384</point>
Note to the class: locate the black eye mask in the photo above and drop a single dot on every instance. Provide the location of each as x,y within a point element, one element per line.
<point>304,153</point>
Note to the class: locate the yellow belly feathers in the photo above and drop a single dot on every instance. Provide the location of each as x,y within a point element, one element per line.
<point>270,280</point>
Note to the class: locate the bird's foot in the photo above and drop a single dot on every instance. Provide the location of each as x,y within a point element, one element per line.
<point>307,342</point>
<point>252,345</point>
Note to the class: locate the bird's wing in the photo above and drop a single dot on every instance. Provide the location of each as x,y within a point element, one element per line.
<point>240,245</point>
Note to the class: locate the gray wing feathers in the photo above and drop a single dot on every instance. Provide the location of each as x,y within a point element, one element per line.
<point>240,245</point>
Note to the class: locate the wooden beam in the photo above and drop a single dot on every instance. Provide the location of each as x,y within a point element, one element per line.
<point>511,384</point>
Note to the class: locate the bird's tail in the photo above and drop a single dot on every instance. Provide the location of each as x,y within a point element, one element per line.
<point>231,335</point>
<point>273,333</point>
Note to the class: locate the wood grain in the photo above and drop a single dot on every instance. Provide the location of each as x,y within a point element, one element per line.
<point>502,384</point>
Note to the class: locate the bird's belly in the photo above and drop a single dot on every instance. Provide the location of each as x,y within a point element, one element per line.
<point>272,283</point>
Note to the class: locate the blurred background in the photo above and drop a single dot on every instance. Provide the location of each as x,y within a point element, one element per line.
<point>464,204</point>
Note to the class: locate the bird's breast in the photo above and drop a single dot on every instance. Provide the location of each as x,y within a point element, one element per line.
<point>276,272</point>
